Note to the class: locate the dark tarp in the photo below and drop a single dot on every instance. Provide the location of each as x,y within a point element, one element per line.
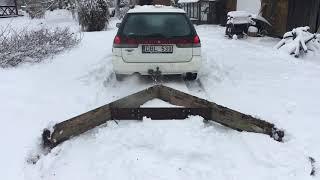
<point>304,13</point>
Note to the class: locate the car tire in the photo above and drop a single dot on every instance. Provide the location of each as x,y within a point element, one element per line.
<point>120,77</point>
<point>191,76</point>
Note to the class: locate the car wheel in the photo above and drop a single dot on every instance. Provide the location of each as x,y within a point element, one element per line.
<point>191,76</point>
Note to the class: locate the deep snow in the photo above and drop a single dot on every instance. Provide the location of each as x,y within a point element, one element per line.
<point>247,75</point>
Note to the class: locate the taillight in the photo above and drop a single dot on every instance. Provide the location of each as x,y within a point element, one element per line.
<point>117,40</point>
<point>196,39</point>
<point>192,42</point>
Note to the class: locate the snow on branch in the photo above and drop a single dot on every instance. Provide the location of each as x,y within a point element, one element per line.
<point>33,46</point>
<point>93,15</point>
<point>299,41</point>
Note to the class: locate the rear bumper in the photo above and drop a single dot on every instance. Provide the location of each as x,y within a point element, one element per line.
<point>121,67</point>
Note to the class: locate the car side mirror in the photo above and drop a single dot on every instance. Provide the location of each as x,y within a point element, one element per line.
<point>118,25</point>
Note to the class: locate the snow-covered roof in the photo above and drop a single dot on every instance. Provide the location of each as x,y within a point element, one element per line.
<point>155,8</point>
<point>239,14</point>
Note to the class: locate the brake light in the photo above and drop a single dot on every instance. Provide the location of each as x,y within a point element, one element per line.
<point>196,40</point>
<point>117,40</point>
<point>192,42</point>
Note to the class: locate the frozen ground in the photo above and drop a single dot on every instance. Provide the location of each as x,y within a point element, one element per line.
<point>246,75</point>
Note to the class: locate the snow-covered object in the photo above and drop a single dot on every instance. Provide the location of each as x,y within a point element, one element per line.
<point>239,17</point>
<point>253,29</point>
<point>239,14</point>
<point>299,41</point>
<point>235,37</point>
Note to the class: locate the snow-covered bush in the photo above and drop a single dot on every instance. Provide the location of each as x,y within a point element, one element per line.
<point>123,11</point>
<point>33,45</point>
<point>299,41</point>
<point>93,14</point>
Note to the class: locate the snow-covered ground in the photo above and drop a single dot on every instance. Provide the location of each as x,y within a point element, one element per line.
<point>246,75</point>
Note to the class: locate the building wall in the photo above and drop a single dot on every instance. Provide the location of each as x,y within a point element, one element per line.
<point>303,13</point>
<point>252,6</point>
<point>276,12</point>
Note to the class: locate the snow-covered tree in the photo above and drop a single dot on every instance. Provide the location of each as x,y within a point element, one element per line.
<point>122,7</point>
<point>93,15</point>
<point>299,41</point>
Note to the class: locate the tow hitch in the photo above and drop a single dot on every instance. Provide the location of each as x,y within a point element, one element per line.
<point>155,74</point>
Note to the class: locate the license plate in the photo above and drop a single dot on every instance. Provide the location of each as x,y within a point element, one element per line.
<point>157,49</point>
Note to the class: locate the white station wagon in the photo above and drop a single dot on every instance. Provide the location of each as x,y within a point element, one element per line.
<point>156,39</point>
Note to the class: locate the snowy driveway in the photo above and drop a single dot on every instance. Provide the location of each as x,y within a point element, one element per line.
<point>246,75</point>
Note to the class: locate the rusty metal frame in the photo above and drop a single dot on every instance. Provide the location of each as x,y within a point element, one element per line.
<point>128,108</point>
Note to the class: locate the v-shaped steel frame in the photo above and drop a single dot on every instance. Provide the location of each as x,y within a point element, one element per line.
<point>128,108</point>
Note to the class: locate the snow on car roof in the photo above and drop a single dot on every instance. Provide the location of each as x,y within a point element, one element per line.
<point>155,8</point>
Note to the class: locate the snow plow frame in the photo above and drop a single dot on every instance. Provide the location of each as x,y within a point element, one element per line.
<point>128,108</point>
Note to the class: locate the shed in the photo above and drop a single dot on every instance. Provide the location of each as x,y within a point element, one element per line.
<point>284,15</point>
<point>8,8</point>
<point>208,11</point>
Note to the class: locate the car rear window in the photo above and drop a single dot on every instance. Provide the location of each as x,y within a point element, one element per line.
<point>157,25</point>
